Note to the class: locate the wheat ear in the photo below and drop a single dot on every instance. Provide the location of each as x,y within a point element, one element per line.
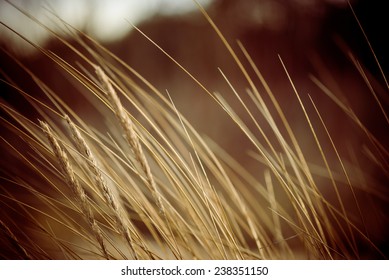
<point>75,186</point>
<point>109,195</point>
<point>130,134</point>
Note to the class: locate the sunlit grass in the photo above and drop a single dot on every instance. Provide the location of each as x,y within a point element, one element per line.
<point>137,180</point>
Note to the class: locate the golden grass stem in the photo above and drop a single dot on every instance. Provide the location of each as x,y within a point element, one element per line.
<point>14,241</point>
<point>130,134</point>
<point>75,186</point>
<point>109,195</point>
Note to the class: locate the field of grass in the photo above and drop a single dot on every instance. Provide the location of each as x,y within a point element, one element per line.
<point>127,174</point>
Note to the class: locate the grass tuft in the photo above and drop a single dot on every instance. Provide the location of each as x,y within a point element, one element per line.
<point>128,176</point>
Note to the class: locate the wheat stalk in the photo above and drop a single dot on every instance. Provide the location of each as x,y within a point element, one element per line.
<point>130,134</point>
<point>75,186</point>
<point>111,198</point>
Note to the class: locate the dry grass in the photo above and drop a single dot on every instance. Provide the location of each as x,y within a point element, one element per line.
<point>145,184</point>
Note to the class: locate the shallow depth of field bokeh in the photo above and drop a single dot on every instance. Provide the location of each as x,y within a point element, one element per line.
<point>316,41</point>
